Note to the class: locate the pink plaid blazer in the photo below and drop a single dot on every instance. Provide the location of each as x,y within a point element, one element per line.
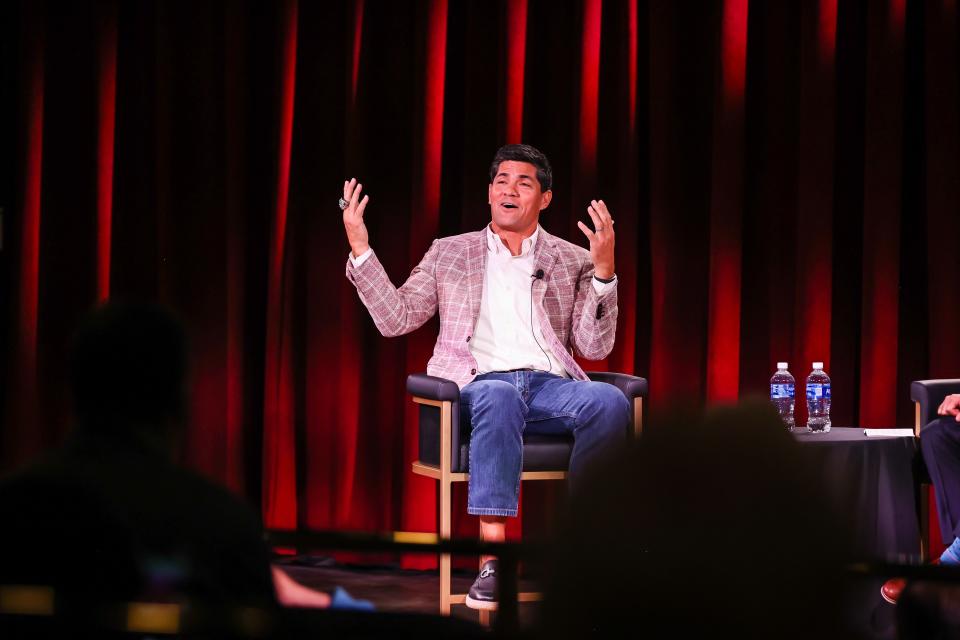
<point>449,278</point>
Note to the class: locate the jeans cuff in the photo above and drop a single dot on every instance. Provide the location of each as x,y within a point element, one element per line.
<point>512,513</point>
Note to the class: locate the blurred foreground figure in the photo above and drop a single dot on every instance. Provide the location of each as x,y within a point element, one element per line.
<point>110,517</point>
<point>929,609</point>
<point>710,527</point>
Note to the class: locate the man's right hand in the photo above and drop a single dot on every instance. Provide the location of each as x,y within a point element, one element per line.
<point>950,406</point>
<point>357,234</point>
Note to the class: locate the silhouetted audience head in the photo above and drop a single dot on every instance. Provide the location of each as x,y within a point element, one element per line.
<point>710,526</point>
<point>128,368</point>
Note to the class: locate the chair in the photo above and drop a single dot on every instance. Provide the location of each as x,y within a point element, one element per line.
<point>444,447</point>
<point>927,396</point>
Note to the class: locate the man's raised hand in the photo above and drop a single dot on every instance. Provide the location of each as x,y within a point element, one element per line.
<point>356,230</point>
<point>601,239</point>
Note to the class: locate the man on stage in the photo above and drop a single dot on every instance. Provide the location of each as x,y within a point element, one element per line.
<point>514,302</point>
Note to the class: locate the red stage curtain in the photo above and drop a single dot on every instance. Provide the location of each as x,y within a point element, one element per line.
<point>783,175</point>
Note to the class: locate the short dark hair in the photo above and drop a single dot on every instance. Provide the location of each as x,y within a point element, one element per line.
<point>524,153</point>
<point>128,364</point>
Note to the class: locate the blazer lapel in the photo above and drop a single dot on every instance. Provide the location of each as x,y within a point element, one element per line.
<point>546,259</point>
<point>476,266</point>
<point>545,256</point>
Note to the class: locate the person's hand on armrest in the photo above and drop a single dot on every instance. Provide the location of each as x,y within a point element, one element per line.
<point>291,593</point>
<point>950,406</point>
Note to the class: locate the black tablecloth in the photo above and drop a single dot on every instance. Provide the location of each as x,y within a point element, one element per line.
<point>871,481</point>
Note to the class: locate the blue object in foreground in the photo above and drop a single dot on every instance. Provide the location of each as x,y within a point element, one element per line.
<point>951,555</point>
<point>345,602</point>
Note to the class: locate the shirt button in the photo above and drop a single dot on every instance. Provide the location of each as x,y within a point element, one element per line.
<point>473,372</point>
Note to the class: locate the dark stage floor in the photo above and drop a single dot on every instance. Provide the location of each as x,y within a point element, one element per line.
<point>392,589</point>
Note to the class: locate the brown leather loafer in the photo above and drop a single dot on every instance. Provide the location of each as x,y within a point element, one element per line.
<point>892,588</point>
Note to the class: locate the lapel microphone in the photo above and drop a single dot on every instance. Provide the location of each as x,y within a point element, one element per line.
<point>538,275</point>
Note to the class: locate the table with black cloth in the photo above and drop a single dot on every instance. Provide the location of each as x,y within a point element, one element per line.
<point>871,481</point>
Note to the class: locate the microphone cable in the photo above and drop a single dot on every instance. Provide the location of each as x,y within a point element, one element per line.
<point>538,276</point>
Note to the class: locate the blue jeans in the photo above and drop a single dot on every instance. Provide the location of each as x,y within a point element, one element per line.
<point>503,406</point>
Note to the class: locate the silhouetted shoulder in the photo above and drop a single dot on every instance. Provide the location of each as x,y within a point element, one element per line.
<point>134,518</point>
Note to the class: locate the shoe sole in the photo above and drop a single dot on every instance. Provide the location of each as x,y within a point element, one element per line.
<point>887,598</point>
<point>482,605</point>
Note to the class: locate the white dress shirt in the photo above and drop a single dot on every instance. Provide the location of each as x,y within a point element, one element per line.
<point>508,335</point>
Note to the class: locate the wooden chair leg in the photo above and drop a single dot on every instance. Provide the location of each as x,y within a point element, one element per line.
<point>924,523</point>
<point>445,586</point>
<point>446,508</point>
<point>923,496</point>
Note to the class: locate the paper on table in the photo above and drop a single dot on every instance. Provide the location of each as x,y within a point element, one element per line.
<point>888,433</point>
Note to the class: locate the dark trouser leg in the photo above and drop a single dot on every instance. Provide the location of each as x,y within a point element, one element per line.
<point>940,444</point>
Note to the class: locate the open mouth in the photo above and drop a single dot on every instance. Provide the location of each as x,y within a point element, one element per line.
<point>508,205</point>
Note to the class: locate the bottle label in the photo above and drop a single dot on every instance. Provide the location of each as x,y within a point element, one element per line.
<point>818,391</point>
<point>781,391</point>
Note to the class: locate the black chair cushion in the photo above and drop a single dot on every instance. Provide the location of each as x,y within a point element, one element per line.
<point>547,453</point>
<point>540,453</point>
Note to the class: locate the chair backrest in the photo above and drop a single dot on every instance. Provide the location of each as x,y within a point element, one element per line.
<point>927,396</point>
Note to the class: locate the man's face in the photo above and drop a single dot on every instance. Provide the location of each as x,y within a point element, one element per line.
<point>515,198</point>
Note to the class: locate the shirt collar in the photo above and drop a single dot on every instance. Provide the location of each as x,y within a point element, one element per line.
<point>495,244</point>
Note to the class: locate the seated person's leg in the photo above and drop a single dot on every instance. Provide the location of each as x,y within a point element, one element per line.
<point>495,411</point>
<point>940,444</point>
<point>595,413</point>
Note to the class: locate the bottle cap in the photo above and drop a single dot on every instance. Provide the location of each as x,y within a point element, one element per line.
<point>818,365</point>
<point>781,365</point>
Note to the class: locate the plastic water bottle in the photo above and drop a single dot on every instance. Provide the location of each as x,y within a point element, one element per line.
<point>782,393</point>
<point>818,400</point>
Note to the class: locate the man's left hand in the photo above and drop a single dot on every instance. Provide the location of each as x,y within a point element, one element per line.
<point>950,406</point>
<point>601,239</point>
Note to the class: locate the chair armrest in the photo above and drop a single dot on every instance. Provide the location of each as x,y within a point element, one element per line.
<point>929,394</point>
<point>430,425</point>
<point>432,387</point>
<point>631,386</point>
